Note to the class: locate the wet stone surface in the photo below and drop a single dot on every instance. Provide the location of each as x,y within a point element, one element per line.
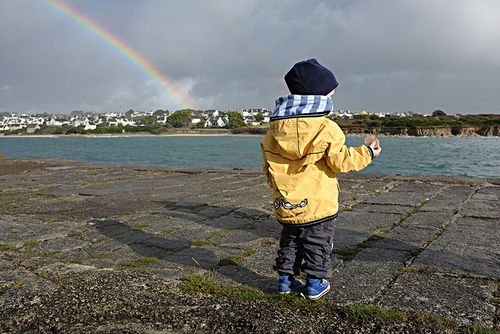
<point>425,244</point>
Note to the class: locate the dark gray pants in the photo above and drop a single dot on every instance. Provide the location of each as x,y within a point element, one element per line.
<point>306,249</point>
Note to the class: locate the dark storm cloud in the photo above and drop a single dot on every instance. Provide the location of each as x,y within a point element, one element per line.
<point>388,55</point>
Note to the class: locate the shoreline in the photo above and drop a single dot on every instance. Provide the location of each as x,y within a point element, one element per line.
<point>219,134</point>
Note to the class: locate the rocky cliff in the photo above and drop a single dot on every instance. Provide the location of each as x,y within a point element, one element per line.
<point>432,131</point>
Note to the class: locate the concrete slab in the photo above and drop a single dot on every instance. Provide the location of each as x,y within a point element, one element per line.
<point>467,246</point>
<point>361,280</point>
<point>463,299</point>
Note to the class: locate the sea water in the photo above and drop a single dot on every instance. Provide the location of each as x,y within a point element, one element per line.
<point>461,156</point>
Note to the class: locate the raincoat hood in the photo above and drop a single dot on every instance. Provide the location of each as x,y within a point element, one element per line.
<point>294,135</point>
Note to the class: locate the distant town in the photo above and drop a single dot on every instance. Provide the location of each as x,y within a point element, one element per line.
<point>134,120</point>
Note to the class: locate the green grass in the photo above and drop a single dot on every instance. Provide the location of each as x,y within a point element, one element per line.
<point>368,312</point>
<point>208,284</point>
<point>424,201</point>
<point>432,320</point>
<point>202,242</point>
<point>198,283</point>
<point>139,226</point>
<point>139,262</point>
<point>31,243</point>
<point>8,247</point>
<point>237,260</point>
<point>7,202</point>
<point>249,252</point>
<point>376,193</point>
<point>170,230</point>
<point>482,330</point>
<point>231,261</point>
<point>411,212</point>
<point>220,234</point>
<point>53,220</point>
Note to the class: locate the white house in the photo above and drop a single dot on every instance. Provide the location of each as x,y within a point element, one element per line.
<point>220,122</point>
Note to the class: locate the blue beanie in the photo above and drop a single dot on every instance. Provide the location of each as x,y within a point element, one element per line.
<point>310,78</point>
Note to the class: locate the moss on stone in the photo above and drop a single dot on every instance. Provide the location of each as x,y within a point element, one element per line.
<point>139,226</point>
<point>31,243</point>
<point>201,242</point>
<point>8,247</point>
<point>139,262</point>
<point>75,233</point>
<point>367,312</point>
<point>170,230</point>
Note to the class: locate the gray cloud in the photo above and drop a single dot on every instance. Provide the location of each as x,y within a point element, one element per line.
<point>388,55</point>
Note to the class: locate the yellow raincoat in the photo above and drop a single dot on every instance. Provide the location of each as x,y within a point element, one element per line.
<point>302,157</point>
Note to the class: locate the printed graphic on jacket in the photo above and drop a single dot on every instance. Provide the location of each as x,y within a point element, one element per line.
<point>287,205</point>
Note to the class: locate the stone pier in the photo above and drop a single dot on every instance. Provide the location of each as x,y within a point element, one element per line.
<point>102,247</point>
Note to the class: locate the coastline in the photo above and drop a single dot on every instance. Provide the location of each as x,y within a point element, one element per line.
<point>423,131</point>
<point>229,134</point>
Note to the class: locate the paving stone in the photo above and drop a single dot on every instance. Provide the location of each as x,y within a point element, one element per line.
<point>214,212</point>
<point>481,208</point>
<point>464,299</point>
<point>346,238</point>
<point>418,187</point>
<point>236,275</point>
<point>366,221</point>
<point>195,256</point>
<point>20,285</point>
<point>449,199</point>
<point>489,189</point>
<point>406,238</point>
<point>231,221</point>
<point>360,280</point>
<point>383,208</point>
<point>398,198</point>
<point>19,232</point>
<point>57,245</point>
<point>60,269</point>
<point>467,246</point>
<point>235,237</point>
<point>431,220</point>
<point>262,261</point>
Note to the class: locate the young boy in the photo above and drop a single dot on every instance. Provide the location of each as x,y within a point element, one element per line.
<point>303,152</point>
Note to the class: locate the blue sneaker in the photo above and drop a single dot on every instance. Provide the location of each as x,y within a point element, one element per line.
<point>316,288</point>
<point>288,283</point>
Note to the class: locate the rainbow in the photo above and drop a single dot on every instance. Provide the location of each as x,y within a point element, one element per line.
<point>131,55</point>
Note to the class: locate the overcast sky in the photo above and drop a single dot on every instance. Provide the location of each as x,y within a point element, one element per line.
<point>388,55</point>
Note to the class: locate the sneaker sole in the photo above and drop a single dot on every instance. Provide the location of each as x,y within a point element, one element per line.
<point>318,296</point>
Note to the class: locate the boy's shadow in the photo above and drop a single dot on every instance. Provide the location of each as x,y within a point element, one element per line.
<point>179,250</point>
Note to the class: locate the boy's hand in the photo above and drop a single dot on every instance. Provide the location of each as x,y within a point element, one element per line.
<point>375,146</point>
